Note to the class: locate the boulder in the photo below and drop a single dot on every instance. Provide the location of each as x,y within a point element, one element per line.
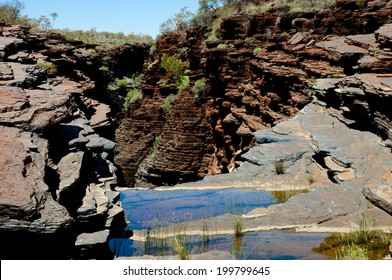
<point>384,35</point>
<point>381,196</point>
<point>70,171</point>
<point>93,245</point>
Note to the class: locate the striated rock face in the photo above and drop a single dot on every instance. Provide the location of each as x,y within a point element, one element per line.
<point>25,201</point>
<point>56,163</point>
<point>257,74</point>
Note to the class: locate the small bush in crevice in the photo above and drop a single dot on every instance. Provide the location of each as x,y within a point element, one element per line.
<point>50,68</point>
<point>184,84</point>
<point>280,167</point>
<point>133,96</point>
<point>167,105</point>
<point>199,89</point>
<point>154,147</point>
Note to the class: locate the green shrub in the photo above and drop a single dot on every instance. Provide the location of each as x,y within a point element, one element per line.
<point>153,48</point>
<point>122,83</point>
<point>183,52</point>
<point>104,69</point>
<point>199,89</point>
<point>133,96</point>
<point>305,5</point>
<point>184,84</point>
<point>252,8</point>
<point>257,50</point>
<point>10,11</point>
<point>105,40</point>
<point>361,3</point>
<point>179,23</point>
<point>167,105</point>
<point>133,82</point>
<point>172,66</point>
<point>50,68</point>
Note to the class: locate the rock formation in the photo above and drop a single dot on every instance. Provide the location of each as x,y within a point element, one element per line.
<point>311,91</point>
<point>314,98</point>
<point>58,197</point>
<point>257,74</point>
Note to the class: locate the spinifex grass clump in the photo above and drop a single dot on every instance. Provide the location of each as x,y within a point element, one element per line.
<point>179,245</point>
<point>366,242</point>
<point>172,236</point>
<point>280,167</point>
<point>352,252</point>
<point>236,208</point>
<point>238,226</point>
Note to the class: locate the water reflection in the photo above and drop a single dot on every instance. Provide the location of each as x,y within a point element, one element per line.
<point>269,245</point>
<point>147,209</point>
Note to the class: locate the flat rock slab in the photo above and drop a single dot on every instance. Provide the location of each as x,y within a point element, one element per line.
<point>90,239</point>
<point>210,255</point>
<point>281,151</point>
<point>384,35</point>
<point>372,219</point>
<point>363,40</point>
<point>315,207</point>
<point>24,75</point>
<point>33,109</point>
<point>12,99</point>
<point>341,48</point>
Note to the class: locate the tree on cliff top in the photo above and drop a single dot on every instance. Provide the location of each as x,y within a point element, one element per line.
<point>10,11</point>
<point>180,22</point>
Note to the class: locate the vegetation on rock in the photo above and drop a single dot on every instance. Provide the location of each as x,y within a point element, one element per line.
<point>105,40</point>
<point>199,89</point>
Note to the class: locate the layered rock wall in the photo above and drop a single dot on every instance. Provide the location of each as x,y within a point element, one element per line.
<point>58,197</point>
<point>257,74</point>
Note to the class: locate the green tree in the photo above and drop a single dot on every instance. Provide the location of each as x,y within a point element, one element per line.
<point>10,11</point>
<point>54,16</point>
<point>180,22</point>
<point>205,12</point>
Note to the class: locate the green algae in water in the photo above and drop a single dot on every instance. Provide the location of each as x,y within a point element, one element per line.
<point>364,243</point>
<point>283,196</point>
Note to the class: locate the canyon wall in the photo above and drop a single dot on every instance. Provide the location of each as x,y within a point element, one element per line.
<point>257,74</point>
<point>57,122</point>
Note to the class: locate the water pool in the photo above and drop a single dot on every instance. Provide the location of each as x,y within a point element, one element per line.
<point>147,209</point>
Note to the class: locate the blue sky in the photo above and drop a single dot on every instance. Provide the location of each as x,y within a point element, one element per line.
<point>128,16</point>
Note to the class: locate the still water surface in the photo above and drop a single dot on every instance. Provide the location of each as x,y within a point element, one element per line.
<point>148,209</point>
